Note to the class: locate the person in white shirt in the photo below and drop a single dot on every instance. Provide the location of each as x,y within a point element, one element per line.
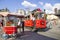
<point>19,25</point>
<point>19,22</point>
<point>32,17</point>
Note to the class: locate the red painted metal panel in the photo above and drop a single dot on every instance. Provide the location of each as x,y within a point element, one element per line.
<point>10,30</point>
<point>28,23</point>
<point>41,23</point>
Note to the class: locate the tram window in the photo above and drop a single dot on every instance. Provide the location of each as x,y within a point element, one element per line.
<point>11,17</point>
<point>10,23</point>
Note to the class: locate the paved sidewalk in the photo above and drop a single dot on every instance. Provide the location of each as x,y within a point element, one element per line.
<point>53,33</point>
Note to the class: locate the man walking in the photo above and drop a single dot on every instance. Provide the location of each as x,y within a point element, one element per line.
<point>22,25</point>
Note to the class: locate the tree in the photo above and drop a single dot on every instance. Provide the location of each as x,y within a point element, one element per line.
<point>4,10</point>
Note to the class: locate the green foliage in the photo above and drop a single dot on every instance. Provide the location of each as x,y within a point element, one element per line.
<point>4,10</point>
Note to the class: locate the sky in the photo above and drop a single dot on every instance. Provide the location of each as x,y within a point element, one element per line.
<point>14,5</point>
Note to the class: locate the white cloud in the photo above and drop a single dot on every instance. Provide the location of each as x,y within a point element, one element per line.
<point>49,12</point>
<point>41,3</point>
<point>49,8</point>
<point>57,5</point>
<point>28,4</point>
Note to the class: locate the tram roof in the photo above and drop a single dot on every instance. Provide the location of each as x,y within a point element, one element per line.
<point>11,14</point>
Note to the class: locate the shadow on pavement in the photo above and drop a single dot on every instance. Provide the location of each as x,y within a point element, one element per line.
<point>42,30</point>
<point>28,35</point>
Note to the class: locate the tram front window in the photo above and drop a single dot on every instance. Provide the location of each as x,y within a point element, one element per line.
<point>10,22</point>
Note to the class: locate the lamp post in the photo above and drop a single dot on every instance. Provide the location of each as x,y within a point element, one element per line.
<point>45,16</point>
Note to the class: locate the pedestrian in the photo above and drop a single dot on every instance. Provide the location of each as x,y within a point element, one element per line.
<point>22,25</point>
<point>32,17</point>
<point>19,25</point>
<point>0,25</point>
